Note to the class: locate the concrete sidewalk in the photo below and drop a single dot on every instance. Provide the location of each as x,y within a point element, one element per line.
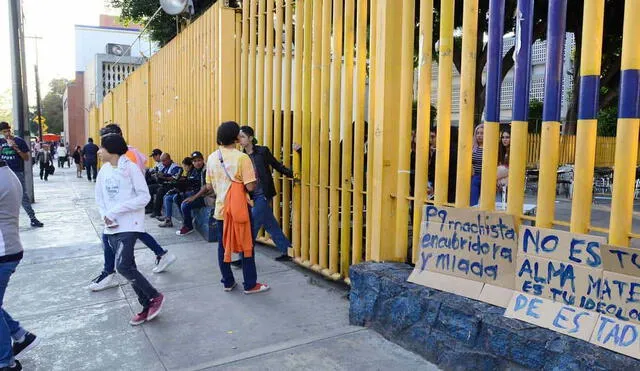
<point>302,323</point>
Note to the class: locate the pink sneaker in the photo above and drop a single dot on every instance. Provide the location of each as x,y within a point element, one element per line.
<point>155,307</point>
<point>184,231</point>
<point>139,318</point>
<point>259,287</point>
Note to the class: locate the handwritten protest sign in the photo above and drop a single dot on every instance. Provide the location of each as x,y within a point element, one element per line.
<point>617,335</point>
<point>555,316</point>
<point>469,244</point>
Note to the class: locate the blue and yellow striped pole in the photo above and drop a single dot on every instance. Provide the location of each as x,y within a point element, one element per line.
<point>550,138</point>
<point>628,122</point>
<point>519,123</point>
<point>587,115</point>
<point>492,106</point>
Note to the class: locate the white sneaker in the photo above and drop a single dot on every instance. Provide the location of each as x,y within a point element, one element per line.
<point>104,281</point>
<point>163,262</point>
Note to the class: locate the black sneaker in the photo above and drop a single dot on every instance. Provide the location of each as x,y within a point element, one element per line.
<point>16,367</point>
<point>30,342</point>
<point>36,223</point>
<point>283,258</point>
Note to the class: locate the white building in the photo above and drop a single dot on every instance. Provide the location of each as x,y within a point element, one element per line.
<point>539,60</point>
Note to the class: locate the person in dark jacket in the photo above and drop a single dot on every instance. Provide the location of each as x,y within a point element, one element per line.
<point>261,213</point>
<point>45,160</point>
<point>90,154</point>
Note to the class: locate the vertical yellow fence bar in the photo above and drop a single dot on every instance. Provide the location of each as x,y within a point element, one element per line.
<point>359,131</point>
<point>316,91</point>
<point>277,109</point>
<point>467,101</point>
<point>298,206</point>
<point>244,82</point>
<point>336,75</point>
<point>404,128</point>
<point>251,79</point>
<point>550,137</point>
<point>373,32</point>
<point>260,69</point>
<point>587,116</point>
<point>627,133</point>
<point>306,129</point>
<point>239,64</point>
<point>424,120</point>
<point>445,67</point>
<point>347,138</point>
<point>267,115</point>
<point>323,235</point>
<point>286,108</point>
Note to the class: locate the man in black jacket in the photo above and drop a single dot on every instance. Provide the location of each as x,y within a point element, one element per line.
<point>261,213</point>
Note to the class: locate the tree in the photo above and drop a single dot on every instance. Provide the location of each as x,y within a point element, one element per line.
<point>612,39</point>
<point>52,105</point>
<point>163,27</point>
<point>5,106</point>
<point>535,116</point>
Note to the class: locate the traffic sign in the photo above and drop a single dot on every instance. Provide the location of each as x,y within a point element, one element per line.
<point>39,119</point>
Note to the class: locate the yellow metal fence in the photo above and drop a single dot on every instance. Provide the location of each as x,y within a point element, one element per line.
<point>298,72</point>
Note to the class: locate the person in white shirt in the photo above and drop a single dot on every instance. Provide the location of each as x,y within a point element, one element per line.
<point>63,156</point>
<point>121,195</point>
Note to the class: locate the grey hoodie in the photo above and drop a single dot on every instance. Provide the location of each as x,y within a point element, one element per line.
<point>10,200</point>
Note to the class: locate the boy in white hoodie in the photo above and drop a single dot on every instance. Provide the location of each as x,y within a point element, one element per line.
<point>121,195</point>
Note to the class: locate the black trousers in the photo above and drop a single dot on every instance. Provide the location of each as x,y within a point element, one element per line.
<point>44,174</point>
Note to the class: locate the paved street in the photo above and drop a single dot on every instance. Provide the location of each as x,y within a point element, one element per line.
<point>302,323</point>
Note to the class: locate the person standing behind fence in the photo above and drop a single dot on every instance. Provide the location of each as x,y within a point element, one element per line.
<point>230,171</point>
<point>262,215</point>
<point>90,154</point>
<point>476,164</point>
<point>503,160</point>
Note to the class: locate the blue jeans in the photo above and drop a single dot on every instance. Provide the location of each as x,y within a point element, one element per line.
<point>186,208</point>
<point>168,202</point>
<point>9,328</point>
<point>262,216</point>
<point>122,245</point>
<point>248,264</point>
<point>110,255</point>
<point>26,201</point>
<point>476,181</point>
<point>92,168</point>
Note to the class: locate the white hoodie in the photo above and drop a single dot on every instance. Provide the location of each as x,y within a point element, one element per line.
<point>121,195</point>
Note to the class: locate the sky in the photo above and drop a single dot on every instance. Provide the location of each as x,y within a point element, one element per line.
<point>54,21</point>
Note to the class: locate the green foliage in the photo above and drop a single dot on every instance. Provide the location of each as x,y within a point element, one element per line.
<point>52,108</point>
<point>535,115</point>
<point>607,120</point>
<point>5,106</point>
<point>163,28</point>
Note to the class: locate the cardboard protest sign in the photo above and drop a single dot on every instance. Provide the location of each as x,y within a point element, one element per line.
<point>617,335</point>
<point>621,260</point>
<point>564,282</point>
<point>456,285</point>
<point>558,245</point>
<point>467,243</point>
<point>558,317</point>
<point>496,295</point>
